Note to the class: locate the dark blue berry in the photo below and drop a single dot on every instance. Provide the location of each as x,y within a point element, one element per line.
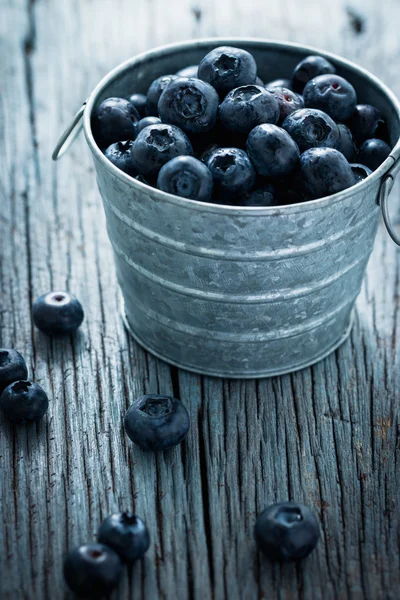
<point>145,122</point>
<point>273,152</point>
<point>367,122</point>
<point>325,171</point>
<point>156,145</point>
<point>114,120</point>
<point>311,128</point>
<point>361,172</point>
<point>332,94</point>
<point>12,367</point>
<point>154,92</point>
<point>139,101</point>
<point>157,422</point>
<point>57,313</point>
<point>262,196</point>
<point>190,104</point>
<point>279,83</point>
<point>191,71</point>
<point>373,152</point>
<point>233,173</point>
<point>288,101</point>
<point>245,107</point>
<point>287,531</point>
<point>345,143</point>
<point>92,570</point>
<point>126,534</point>
<point>226,68</point>
<point>120,155</point>
<point>308,68</point>
<point>187,177</point>
<point>24,401</point>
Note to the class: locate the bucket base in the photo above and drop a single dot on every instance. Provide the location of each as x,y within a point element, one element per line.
<point>229,374</point>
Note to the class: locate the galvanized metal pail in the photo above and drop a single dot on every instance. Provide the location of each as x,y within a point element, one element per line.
<point>229,291</point>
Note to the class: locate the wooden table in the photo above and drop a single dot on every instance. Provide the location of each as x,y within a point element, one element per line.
<point>328,436</point>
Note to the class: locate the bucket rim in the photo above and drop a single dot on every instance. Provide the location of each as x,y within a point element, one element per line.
<point>227,209</point>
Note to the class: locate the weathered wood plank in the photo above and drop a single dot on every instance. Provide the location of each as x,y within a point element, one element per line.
<point>328,436</point>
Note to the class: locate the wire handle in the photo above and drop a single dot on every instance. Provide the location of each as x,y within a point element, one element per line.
<point>384,193</point>
<point>70,134</point>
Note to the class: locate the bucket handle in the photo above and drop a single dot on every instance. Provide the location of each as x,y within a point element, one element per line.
<point>383,199</point>
<point>70,134</point>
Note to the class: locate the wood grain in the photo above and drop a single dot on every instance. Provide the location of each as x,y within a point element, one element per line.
<point>328,436</point>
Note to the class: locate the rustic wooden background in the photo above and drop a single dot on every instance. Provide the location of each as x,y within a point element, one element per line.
<point>328,436</point>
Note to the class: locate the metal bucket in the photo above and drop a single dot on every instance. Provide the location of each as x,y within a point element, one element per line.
<point>229,291</point>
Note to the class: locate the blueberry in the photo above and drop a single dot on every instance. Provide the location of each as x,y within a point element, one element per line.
<point>332,94</point>
<point>288,101</point>
<point>139,101</point>
<point>273,152</point>
<point>126,534</point>
<point>311,128</point>
<point>373,152</point>
<point>191,71</point>
<point>325,171</point>
<point>233,173</point>
<point>287,531</point>
<point>262,196</point>
<point>92,570</point>
<point>12,367</point>
<point>208,151</point>
<point>156,145</point>
<point>189,103</point>
<point>114,120</point>
<point>361,172</point>
<point>245,107</point>
<point>187,177</point>
<point>57,313</point>
<point>226,68</point>
<point>367,122</point>
<point>154,93</point>
<point>346,144</point>
<point>145,122</point>
<point>279,83</point>
<point>308,68</point>
<point>24,401</point>
<point>120,155</point>
<point>156,422</point>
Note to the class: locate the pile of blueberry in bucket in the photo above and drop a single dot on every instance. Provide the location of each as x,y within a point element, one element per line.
<point>214,132</point>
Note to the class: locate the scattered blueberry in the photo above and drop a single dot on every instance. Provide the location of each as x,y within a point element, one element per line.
<point>361,172</point>
<point>114,120</point>
<point>367,122</point>
<point>24,401</point>
<point>92,570</point>
<point>233,173</point>
<point>154,93</point>
<point>332,94</point>
<point>120,155</point>
<point>288,101</point>
<point>279,83</point>
<point>273,152</point>
<point>325,171</point>
<point>156,422</point>
<point>57,313</point>
<point>139,101</point>
<point>145,122</point>
<point>345,143</point>
<point>287,531</point>
<point>226,68</point>
<point>187,177</point>
<point>156,145</point>
<point>311,128</point>
<point>262,196</point>
<point>373,152</point>
<point>12,367</point>
<point>245,107</point>
<point>189,103</point>
<point>126,534</point>
<point>308,68</point>
<point>191,71</point>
